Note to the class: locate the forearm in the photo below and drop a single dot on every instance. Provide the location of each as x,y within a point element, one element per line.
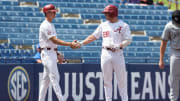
<point>162,50</point>
<point>126,42</point>
<point>60,42</point>
<point>89,39</point>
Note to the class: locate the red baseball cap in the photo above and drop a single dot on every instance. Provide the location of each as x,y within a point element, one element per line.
<point>50,8</point>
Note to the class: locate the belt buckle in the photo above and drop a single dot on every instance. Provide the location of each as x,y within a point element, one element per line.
<point>110,49</point>
<point>55,49</point>
<point>48,48</point>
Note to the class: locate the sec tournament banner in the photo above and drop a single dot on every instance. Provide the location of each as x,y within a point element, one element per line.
<point>148,82</point>
<point>17,82</point>
<point>83,82</point>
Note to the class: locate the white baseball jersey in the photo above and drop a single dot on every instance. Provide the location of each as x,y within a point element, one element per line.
<point>46,31</point>
<point>113,34</point>
<point>49,61</point>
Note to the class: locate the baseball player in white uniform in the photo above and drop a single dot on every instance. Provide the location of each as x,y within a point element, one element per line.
<point>48,43</point>
<point>116,35</point>
<point>172,33</point>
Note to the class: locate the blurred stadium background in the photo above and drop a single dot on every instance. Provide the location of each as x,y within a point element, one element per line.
<point>76,19</point>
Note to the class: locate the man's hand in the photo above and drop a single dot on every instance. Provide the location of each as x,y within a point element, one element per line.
<point>161,64</point>
<point>60,57</point>
<point>75,44</point>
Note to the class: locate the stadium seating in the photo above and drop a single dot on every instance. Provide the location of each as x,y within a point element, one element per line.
<point>9,3</point>
<point>19,26</point>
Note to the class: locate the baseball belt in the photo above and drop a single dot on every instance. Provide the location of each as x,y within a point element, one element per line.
<point>55,49</point>
<point>110,49</point>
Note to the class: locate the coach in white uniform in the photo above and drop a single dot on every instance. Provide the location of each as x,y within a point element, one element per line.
<point>116,35</point>
<point>48,43</point>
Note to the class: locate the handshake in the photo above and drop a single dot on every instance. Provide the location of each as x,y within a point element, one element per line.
<point>75,44</point>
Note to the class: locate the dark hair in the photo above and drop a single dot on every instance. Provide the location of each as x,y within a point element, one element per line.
<point>176,16</point>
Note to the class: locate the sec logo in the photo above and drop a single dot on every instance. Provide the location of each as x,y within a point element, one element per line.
<point>18,84</point>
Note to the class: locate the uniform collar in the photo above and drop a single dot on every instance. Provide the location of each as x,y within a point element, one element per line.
<point>114,22</point>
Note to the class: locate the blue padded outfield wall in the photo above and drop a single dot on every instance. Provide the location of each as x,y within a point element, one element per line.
<point>82,82</point>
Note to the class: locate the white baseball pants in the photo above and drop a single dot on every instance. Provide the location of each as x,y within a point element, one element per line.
<point>114,62</point>
<point>50,74</point>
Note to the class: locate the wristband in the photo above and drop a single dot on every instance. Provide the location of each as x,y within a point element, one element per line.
<point>81,43</point>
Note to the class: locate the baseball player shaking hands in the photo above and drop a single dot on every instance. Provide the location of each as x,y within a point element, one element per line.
<point>116,35</point>
<point>172,33</point>
<point>48,43</point>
